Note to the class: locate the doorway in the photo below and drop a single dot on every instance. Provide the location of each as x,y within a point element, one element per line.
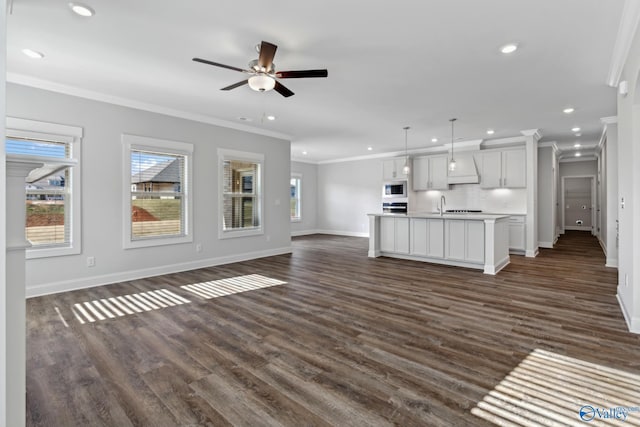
<point>578,198</point>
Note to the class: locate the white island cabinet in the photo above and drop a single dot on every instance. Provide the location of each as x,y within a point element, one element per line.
<point>466,240</point>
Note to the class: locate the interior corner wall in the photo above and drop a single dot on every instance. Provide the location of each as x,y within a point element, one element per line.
<point>546,197</point>
<point>347,192</point>
<point>628,201</point>
<point>308,198</point>
<point>101,198</point>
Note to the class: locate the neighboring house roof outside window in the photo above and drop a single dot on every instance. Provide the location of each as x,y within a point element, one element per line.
<point>161,172</point>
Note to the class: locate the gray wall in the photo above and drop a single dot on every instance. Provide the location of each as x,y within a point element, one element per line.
<point>347,192</point>
<point>308,198</point>
<point>102,174</point>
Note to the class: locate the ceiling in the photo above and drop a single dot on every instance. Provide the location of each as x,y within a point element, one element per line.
<point>408,63</point>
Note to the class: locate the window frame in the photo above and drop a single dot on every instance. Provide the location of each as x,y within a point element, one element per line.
<point>72,135</point>
<point>161,146</point>
<point>298,176</point>
<point>243,156</point>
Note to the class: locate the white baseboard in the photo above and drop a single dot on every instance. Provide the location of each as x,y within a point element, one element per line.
<point>107,279</point>
<point>603,246</point>
<point>343,233</point>
<point>545,245</point>
<point>633,323</point>
<point>532,253</point>
<point>611,262</point>
<point>303,233</point>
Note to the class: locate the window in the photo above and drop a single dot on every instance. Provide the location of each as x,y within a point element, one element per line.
<point>241,193</point>
<point>52,191</point>
<point>296,214</point>
<point>157,199</point>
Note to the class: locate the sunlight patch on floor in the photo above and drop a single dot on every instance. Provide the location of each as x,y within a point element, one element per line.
<point>230,286</point>
<point>548,389</point>
<point>110,308</point>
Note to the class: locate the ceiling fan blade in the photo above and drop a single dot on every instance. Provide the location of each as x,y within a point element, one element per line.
<point>205,61</point>
<point>267,52</point>
<point>282,90</point>
<point>301,74</point>
<point>235,85</point>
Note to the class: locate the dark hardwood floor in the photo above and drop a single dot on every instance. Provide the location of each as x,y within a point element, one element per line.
<point>346,340</point>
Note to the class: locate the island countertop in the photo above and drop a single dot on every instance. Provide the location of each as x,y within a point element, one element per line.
<point>436,215</point>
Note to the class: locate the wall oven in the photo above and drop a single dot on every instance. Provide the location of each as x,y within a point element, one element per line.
<point>394,189</point>
<point>394,207</point>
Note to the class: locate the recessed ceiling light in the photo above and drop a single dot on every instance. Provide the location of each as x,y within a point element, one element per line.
<point>577,145</point>
<point>578,154</point>
<point>434,139</point>
<point>575,129</point>
<point>370,148</point>
<point>490,131</point>
<point>82,9</point>
<point>578,134</point>
<point>568,110</point>
<point>34,54</point>
<point>272,118</point>
<point>509,48</point>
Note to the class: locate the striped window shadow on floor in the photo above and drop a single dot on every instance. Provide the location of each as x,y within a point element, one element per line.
<point>548,389</point>
<point>230,286</point>
<point>111,308</point>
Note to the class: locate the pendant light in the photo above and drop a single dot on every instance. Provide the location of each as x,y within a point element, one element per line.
<point>406,168</point>
<point>452,162</point>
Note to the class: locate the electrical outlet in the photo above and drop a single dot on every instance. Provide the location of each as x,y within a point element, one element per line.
<point>198,247</point>
<point>91,261</point>
<point>626,280</point>
<point>268,238</point>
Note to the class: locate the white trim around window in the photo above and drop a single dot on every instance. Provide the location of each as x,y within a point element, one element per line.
<point>258,190</point>
<point>72,136</point>
<point>160,146</point>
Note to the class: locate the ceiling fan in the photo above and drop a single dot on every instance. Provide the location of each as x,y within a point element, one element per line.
<point>263,72</point>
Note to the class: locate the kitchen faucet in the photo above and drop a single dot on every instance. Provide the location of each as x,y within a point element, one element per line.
<point>443,202</point>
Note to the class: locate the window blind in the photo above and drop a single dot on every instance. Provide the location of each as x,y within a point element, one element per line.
<point>241,195</point>
<point>48,212</point>
<point>157,198</point>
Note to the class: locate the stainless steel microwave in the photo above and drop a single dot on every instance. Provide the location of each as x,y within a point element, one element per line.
<point>394,189</point>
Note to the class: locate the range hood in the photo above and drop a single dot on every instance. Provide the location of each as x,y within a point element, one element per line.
<point>466,171</point>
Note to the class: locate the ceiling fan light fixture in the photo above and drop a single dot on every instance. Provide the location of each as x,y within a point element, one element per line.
<point>262,82</point>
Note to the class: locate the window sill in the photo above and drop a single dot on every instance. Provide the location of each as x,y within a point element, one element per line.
<point>296,219</point>
<point>232,234</point>
<point>35,253</point>
<point>160,241</point>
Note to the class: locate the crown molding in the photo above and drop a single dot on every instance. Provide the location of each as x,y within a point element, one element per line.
<point>624,39</point>
<point>552,144</point>
<point>589,158</point>
<point>532,132</point>
<point>609,120</point>
<point>138,105</point>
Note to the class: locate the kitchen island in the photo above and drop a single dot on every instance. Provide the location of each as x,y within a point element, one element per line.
<point>478,241</point>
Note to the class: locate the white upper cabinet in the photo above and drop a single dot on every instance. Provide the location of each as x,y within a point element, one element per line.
<point>430,173</point>
<point>392,169</point>
<point>504,169</point>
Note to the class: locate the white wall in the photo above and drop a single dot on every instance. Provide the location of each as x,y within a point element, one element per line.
<point>580,168</point>
<point>308,198</point>
<point>611,207</point>
<point>629,189</point>
<point>546,197</point>
<point>347,192</point>
<point>4,303</point>
<point>102,173</point>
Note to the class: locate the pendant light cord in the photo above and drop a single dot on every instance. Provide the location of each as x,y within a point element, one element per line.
<point>452,120</point>
<point>406,152</point>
